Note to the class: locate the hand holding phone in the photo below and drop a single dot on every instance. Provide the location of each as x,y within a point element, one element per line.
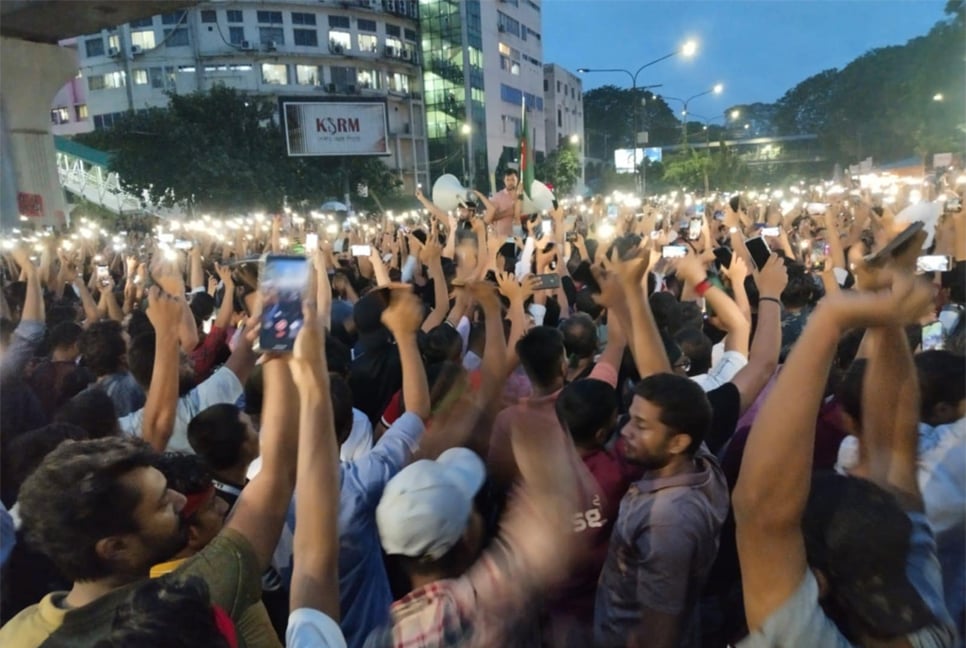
<point>932,336</point>
<point>547,281</point>
<point>361,250</point>
<point>759,251</point>
<point>282,284</point>
<point>311,242</point>
<point>674,252</point>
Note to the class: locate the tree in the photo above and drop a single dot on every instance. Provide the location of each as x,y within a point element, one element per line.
<point>225,151</point>
<point>609,119</point>
<point>561,168</point>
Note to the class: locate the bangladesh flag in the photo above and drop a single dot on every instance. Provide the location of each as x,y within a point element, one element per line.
<point>526,154</point>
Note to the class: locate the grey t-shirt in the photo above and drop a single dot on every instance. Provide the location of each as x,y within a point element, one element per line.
<point>800,621</point>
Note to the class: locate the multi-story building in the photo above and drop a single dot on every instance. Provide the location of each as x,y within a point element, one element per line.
<point>315,48</point>
<point>482,61</point>
<point>563,102</point>
<point>69,113</point>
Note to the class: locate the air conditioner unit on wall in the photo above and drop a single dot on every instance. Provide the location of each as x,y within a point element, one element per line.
<point>136,50</point>
<point>390,50</point>
<point>246,46</point>
<point>271,46</point>
<point>113,52</point>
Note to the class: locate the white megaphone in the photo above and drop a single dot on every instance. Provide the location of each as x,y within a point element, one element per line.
<point>448,193</point>
<point>539,200</point>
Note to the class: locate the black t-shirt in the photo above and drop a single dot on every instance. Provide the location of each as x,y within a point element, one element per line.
<point>726,410</point>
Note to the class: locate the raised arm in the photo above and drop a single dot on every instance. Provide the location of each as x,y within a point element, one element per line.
<point>402,317</point>
<point>431,256</point>
<point>766,347</point>
<point>260,511</point>
<point>646,344</point>
<point>161,405</point>
<point>770,496</point>
<point>226,310</point>
<point>430,206</point>
<point>315,565</point>
<point>692,270</point>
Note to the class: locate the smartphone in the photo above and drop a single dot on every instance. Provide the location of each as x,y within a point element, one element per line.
<point>737,204</point>
<point>723,257</point>
<point>818,255</point>
<point>282,282</point>
<point>571,236</point>
<point>934,263</point>
<point>694,228</point>
<point>182,245</point>
<point>699,209</point>
<point>895,246</point>
<point>311,241</point>
<point>166,238</point>
<point>773,232</point>
<point>674,251</point>
<point>932,336</point>
<point>612,211</point>
<point>816,209</point>
<point>759,251</point>
<point>103,275</point>
<point>546,227</point>
<point>361,250</point>
<point>548,281</point>
<point>953,205</point>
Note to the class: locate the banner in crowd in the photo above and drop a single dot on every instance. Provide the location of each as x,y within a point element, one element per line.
<point>335,127</point>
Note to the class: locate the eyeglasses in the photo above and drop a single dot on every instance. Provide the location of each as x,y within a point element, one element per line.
<point>684,364</point>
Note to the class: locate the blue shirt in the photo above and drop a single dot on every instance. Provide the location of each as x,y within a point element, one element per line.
<point>363,583</point>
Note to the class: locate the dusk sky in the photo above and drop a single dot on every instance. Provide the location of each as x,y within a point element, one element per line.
<point>758,50</point>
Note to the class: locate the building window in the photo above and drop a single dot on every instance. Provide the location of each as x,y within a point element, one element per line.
<point>393,30</point>
<point>176,37</point>
<point>270,17</point>
<point>507,24</point>
<point>94,47</point>
<point>306,37</point>
<point>399,82</point>
<point>143,39</point>
<point>140,77</point>
<point>394,43</point>
<point>558,87</point>
<point>308,75</point>
<point>411,35</point>
<point>303,18</point>
<point>235,16</point>
<point>157,77</point>
<point>107,81</point>
<point>60,115</point>
<point>366,25</point>
<point>339,21</point>
<point>546,85</point>
<point>114,42</point>
<point>339,41</point>
<point>342,77</point>
<point>559,118</point>
<point>236,35</point>
<point>81,111</point>
<point>368,79</point>
<point>142,22</point>
<point>208,16</point>
<point>368,43</point>
<point>276,34</point>
<point>172,18</point>
<point>274,74</point>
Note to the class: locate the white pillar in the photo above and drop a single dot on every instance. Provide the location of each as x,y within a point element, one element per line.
<point>32,74</point>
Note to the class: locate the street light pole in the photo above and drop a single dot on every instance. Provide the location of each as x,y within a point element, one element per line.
<point>718,88</point>
<point>688,49</point>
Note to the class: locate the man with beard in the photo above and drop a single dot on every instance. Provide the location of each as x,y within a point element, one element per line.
<point>508,203</point>
<point>666,536</point>
<point>104,515</point>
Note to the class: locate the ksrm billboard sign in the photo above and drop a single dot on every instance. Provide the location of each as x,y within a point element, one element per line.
<point>336,128</point>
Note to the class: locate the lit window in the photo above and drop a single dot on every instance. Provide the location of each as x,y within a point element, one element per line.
<point>504,49</point>
<point>143,39</point>
<point>399,82</point>
<point>339,41</point>
<point>140,77</point>
<point>274,74</point>
<point>394,43</point>
<point>368,79</point>
<point>368,43</point>
<point>114,42</point>
<point>308,75</point>
<point>60,115</point>
<point>81,110</point>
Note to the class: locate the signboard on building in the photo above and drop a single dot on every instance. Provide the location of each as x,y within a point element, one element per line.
<point>335,127</point>
<point>627,160</point>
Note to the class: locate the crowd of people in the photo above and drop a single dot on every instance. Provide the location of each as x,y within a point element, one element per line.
<point>694,421</point>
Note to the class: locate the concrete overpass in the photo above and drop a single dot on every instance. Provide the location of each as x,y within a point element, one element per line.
<point>33,68</point>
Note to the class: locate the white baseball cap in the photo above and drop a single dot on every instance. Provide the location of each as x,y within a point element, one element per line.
<point>425,508</point>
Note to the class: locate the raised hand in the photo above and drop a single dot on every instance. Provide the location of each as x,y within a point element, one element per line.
<point>772,279</point>
<point>164,310</point>
<point>691,269</point>
<point>737,271</point>
<point>404,315</point>
<point>514,290</point>
<point>430,252</point>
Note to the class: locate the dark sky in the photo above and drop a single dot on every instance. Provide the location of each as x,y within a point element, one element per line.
<point>758,50</point>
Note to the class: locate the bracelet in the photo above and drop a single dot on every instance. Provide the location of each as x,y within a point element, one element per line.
<point>702,287</point>
<point>771,299</point>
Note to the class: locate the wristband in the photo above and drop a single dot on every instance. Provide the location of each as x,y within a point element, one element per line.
<point>771,299</point>
<point>702,287</point>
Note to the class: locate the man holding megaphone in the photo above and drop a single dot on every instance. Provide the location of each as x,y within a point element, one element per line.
<point>508,203</point>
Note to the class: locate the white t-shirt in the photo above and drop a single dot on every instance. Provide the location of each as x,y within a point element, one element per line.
<point>723,370</point>
<point>359,441</point>
<point>310,628</point>
<point>222,386</point>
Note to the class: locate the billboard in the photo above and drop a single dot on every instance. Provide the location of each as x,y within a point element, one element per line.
<point>335,127</point>
<point>627,160</point>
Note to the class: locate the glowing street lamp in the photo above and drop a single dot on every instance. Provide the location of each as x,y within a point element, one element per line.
<point>689,48</point>
<point>938,96</point>
<point>735,114</point>
<point>575,139</point>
